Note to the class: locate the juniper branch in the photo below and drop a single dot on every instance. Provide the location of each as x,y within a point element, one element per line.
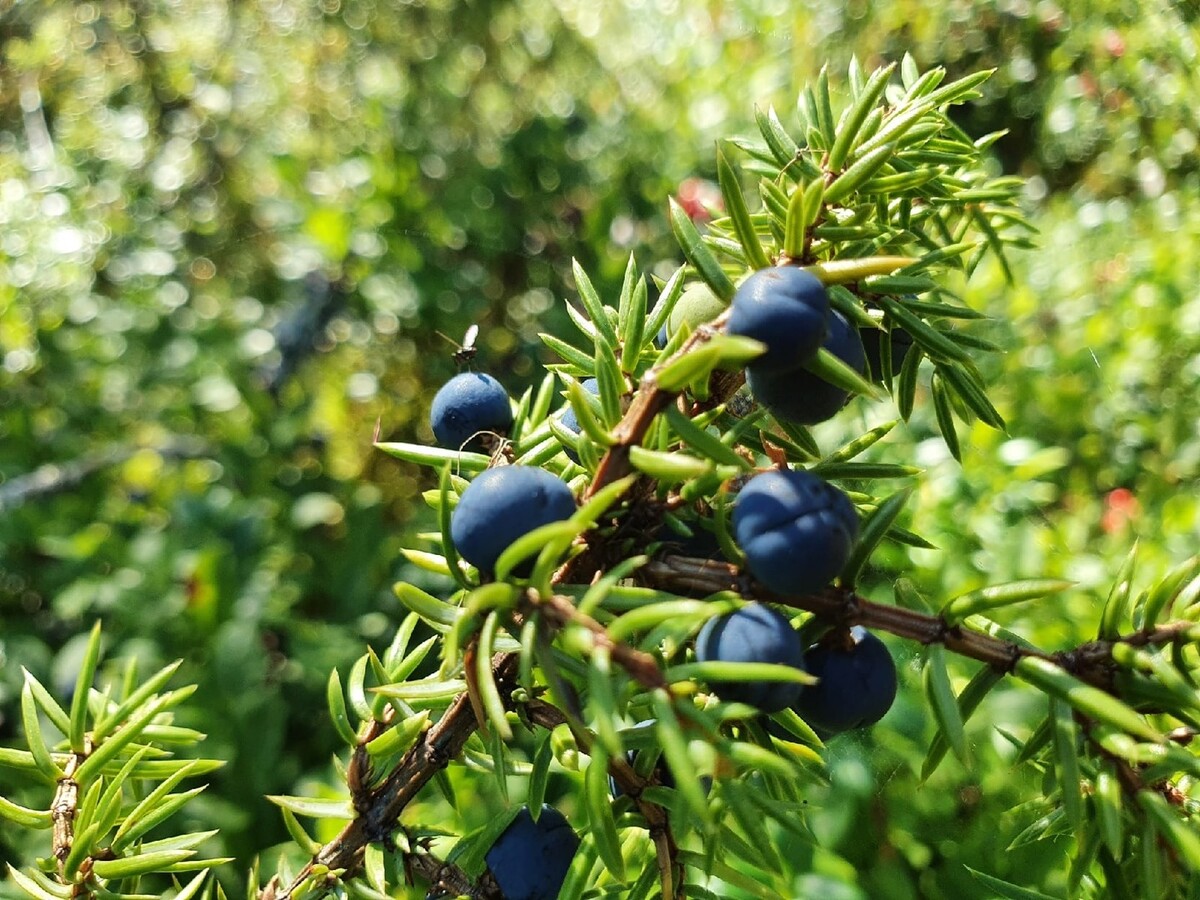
<point>1091,662</point>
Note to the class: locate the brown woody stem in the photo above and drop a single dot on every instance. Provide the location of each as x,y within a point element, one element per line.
<point>63,808</point>
<point>1091,662</point>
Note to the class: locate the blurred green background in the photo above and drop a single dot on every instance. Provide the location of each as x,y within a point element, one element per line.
<point>231,232</point>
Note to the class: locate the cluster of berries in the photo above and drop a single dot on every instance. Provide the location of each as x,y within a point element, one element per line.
<point>795,530</point>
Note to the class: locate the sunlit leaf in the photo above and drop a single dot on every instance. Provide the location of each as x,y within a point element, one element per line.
<point>34,888</point>
<point>83,687</point>
<point>33,734</point>
<point>336,701</point>
<point>873,530</point>
<point>314,808</point>
<point>943,703</point>
<point>735,203</point>
<point>1064,738</point>
<point>596,310</point>
<point>23,816</point>
<point>1089,700</point>
<point>1007,889</point>
<point>601,824</point>
<point>141,864</point>
<point>434,457</point>
<point>998,596</point>
<point>968,700</point>
<point>425,605</point>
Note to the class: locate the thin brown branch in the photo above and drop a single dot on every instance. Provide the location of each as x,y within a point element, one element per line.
<point>1091,662</point>
<point>63,809</point>
<point>50,479</point>
<point>648,402</point>
<point>379,809</point>
<point>381,806</point>
<point>632,785</point>
<point>641,665</point>
<point>448,880</point>
<point>471,676</point>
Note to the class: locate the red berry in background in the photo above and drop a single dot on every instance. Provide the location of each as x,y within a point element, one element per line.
<point>698,198</point>
<point>1121,507</point>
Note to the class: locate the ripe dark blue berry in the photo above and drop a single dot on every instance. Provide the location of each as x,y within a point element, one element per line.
<point>661,770</point>
<point>701,544</point>
<point>469,405</point>
<point>754,633</point>
<point>796,530</point>
<point>501,505</point>
<point>530,859</point>
<point>569,419</point>
<point>665,778</point>
<point>798,395</point>
<point>901,342</point>
<point>857,683</point>
<point>785,308</point>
